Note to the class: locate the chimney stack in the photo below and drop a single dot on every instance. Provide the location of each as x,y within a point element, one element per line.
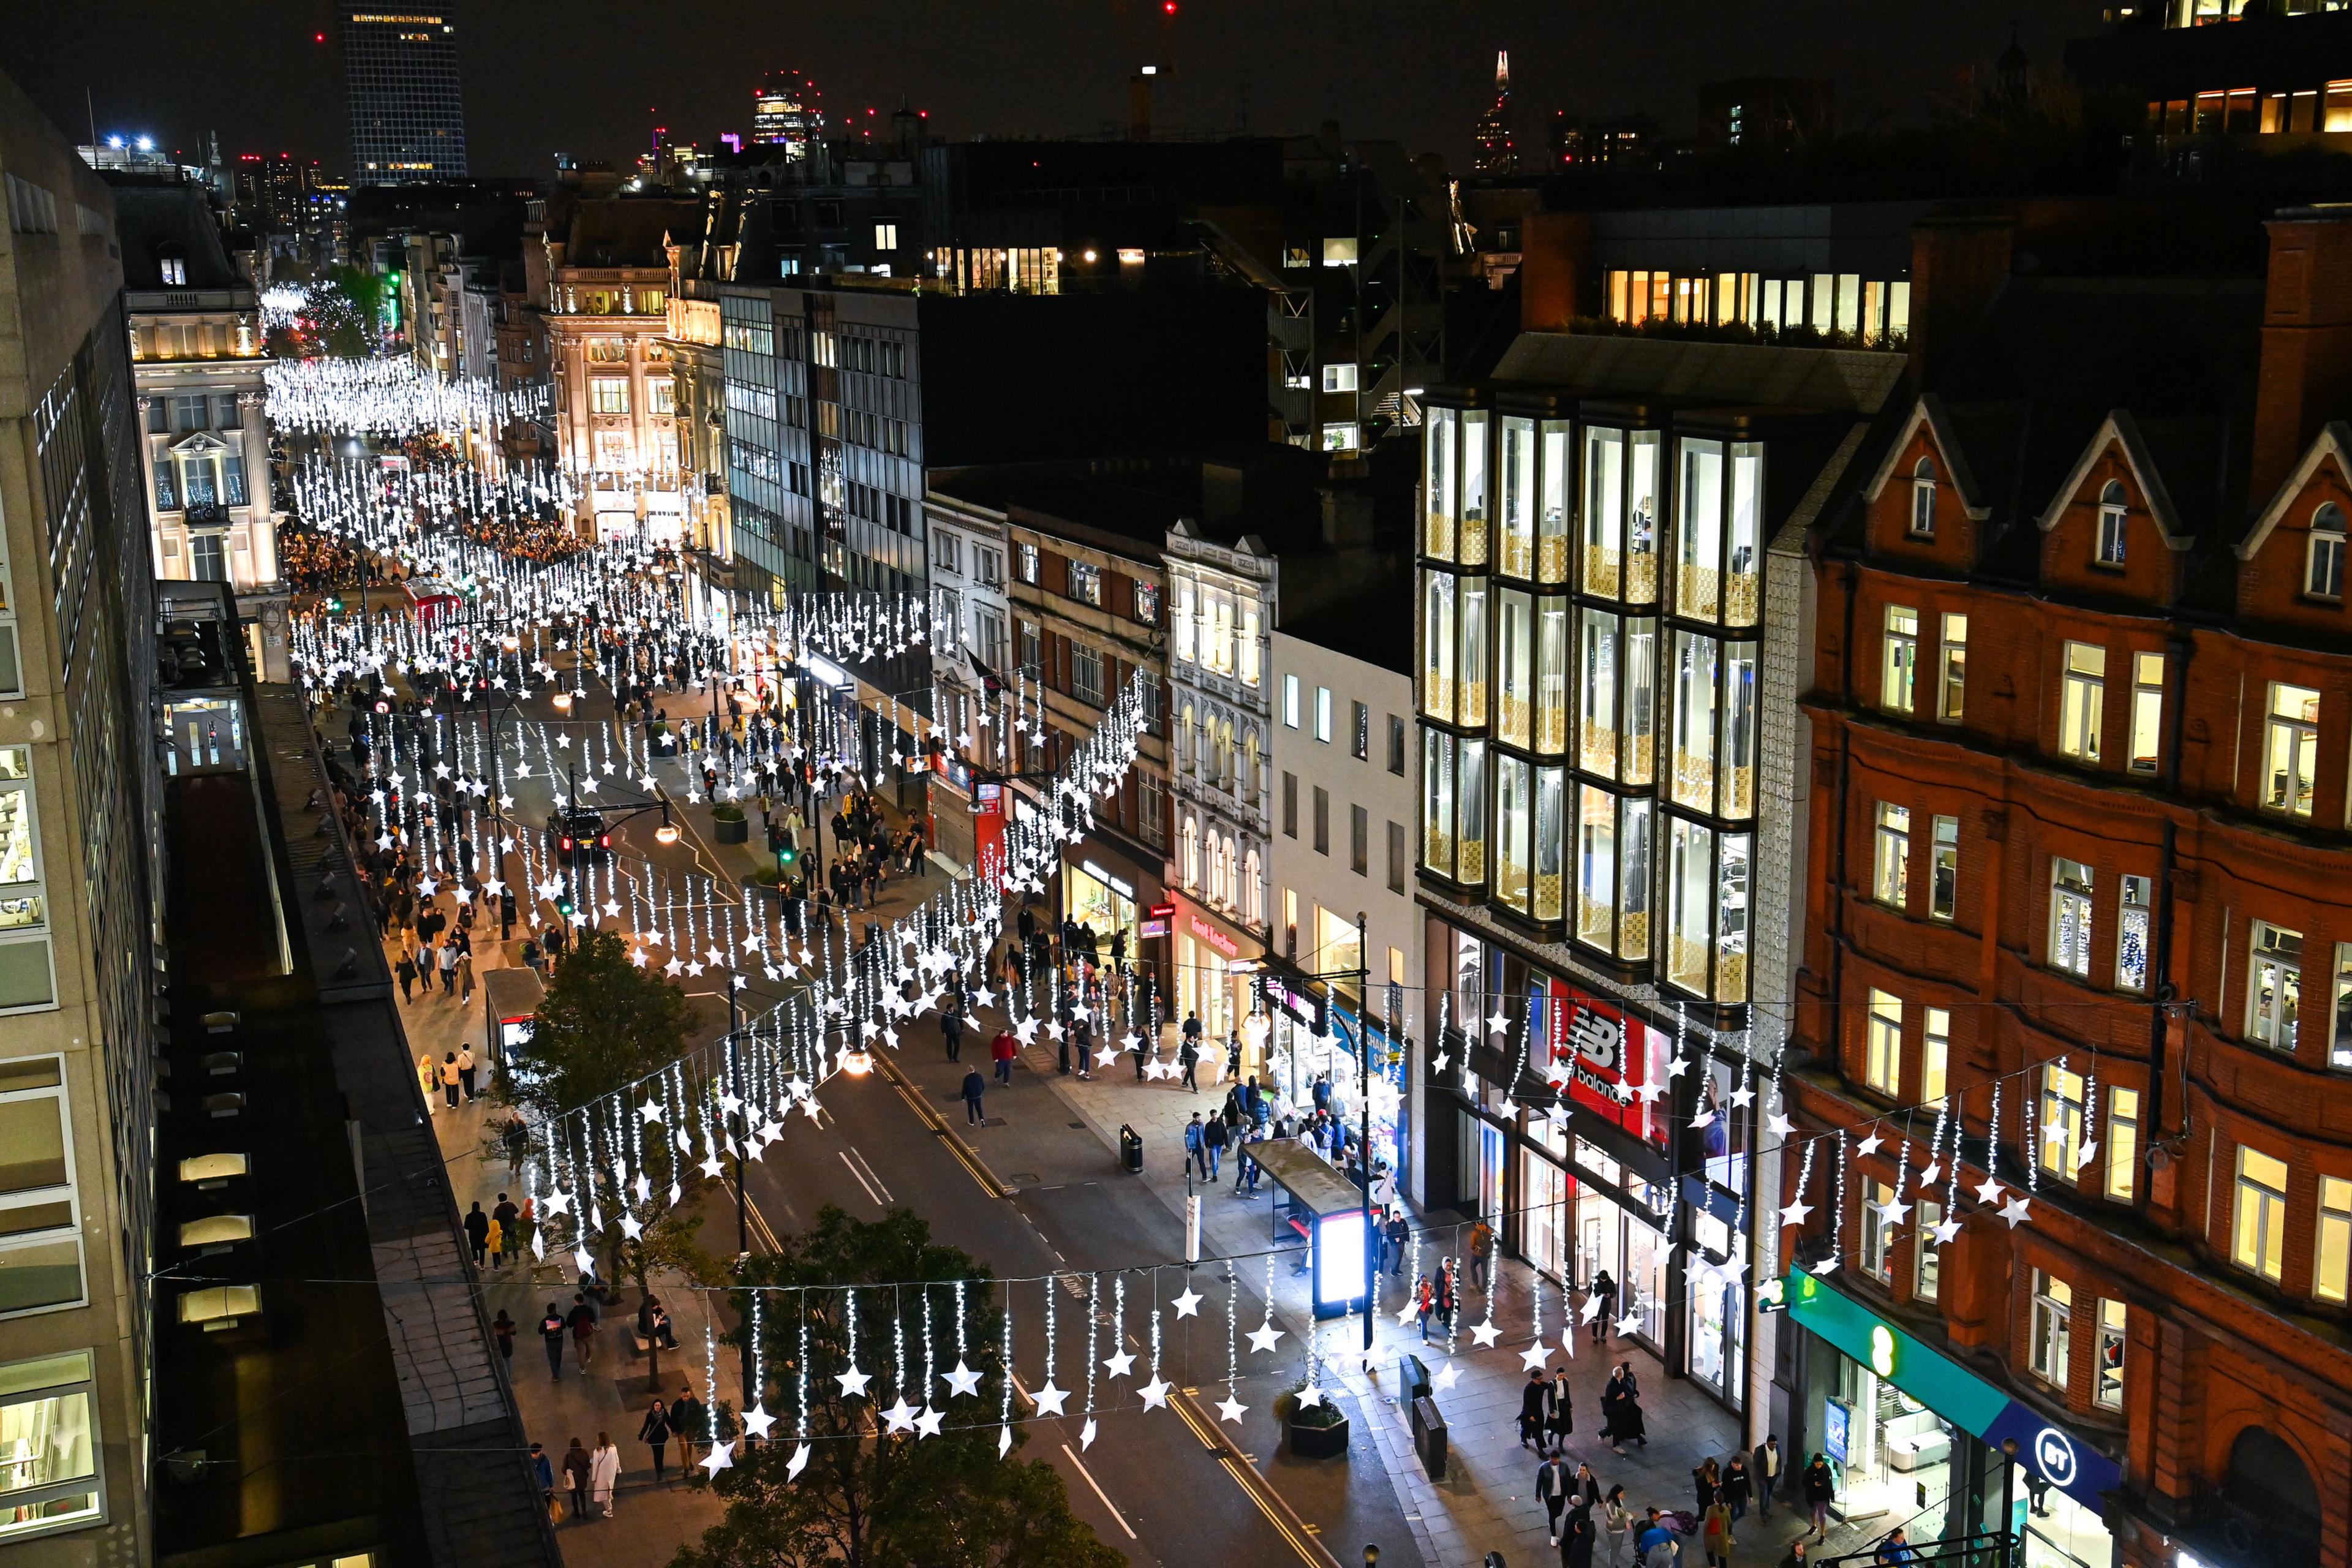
<point>2306,365</point>
<point>1959,262</point>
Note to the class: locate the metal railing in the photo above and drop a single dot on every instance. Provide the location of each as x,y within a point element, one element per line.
<point>1991,1549</point>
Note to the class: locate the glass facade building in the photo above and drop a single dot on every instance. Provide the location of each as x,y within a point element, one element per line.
<point>407,113</point>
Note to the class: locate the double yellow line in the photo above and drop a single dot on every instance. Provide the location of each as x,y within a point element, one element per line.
<point>1255,1487</point>
<point>965,1155</point>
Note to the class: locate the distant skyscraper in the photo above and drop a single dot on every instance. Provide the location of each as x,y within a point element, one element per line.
<point>408,117</point>
<point>784,112</point>
<point>1495,153</point>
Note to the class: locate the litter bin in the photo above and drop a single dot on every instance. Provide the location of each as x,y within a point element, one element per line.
<point>1429,1437</point>
<point>1413,1379</point>
<point>1130,1148</point>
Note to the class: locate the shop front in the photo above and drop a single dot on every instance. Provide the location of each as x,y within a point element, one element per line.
<point>1913,1437</point>
<point>1309,1033</point>
<point>1215,964</point>
<point>1105,892</point>
<point>1578,1144</point>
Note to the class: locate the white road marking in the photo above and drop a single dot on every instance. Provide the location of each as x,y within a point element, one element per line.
<point>1100,1492</point>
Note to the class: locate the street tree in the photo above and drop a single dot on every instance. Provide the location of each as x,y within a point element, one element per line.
<point>605,1024</point>
<point>868,1497</point>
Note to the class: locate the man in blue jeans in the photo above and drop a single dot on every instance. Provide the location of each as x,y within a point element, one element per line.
<point>1213,1139</point>
<point>1196,1154</point>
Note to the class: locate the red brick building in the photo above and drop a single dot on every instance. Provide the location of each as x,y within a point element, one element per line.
<point>2079,846</point>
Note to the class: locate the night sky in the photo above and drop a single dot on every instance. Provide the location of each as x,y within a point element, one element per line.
<point>592,77</point>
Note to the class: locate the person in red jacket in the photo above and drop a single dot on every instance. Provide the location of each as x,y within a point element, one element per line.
<point>1004,1050</point>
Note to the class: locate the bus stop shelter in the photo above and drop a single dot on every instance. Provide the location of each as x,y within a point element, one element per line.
<point>1321,1207</point>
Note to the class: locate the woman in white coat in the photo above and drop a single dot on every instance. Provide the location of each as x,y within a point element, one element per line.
<point>603,1475</point>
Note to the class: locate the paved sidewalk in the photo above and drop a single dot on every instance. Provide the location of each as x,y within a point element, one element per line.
<point>1487,1501</point>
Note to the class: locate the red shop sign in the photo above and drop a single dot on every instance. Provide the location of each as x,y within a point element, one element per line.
<point>1600,1050</point>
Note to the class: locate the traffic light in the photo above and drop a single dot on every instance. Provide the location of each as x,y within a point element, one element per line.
<point>563,905</point>
<point>787,858</point>
<point>335,605</point>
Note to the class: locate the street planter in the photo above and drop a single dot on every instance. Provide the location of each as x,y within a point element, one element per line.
<point>1318,1432</point>
<point>729,826</point>
<point>664,743</point>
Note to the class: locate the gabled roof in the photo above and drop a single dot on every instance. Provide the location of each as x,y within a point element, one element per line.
<point>2121,430</point>
<point>1929,411</point>
<point>2331,444</point>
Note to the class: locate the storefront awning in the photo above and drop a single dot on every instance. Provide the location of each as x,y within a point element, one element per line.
<point>1950,1390</point>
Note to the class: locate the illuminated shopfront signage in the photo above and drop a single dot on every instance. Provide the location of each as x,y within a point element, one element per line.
<point>1218,940</point>
<point>1950,1390</point>
<point>1597,1049</point>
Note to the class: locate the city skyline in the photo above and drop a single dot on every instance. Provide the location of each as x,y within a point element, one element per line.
<point>1393,73</point>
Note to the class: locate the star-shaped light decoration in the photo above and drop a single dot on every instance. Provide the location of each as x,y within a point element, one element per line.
<point>1946,1231</point>
<point>1988,1191</point>
<point>853,1383</point>
<point>1230,1409</point>
<point>1795,1213</point>
<point>1535,1356</point>
<point>799,1463</point>
<point>1261,1338</point>
<point>927,1424</point>
<point>1869,1145</point>
<point>2014,1211</point>
<point>1445,1377</point>
<point>900,1416</point>
<point>1487,1334</point>
<point>720,1458</point>
<point>1120,1364</point>
<point>757,1421</point>
<point>1051,1399</point>
<point>962,1382</point>
<point>1087,1433</point>
<point>1893,1210</point>
<point>1310,1397</point>
<point>1188,1305</point>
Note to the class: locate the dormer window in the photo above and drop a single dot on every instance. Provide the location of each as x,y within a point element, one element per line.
<point>1923,500</point>
<point>175,270</point>
<point>2322,567</point>
<point>2113,510</point>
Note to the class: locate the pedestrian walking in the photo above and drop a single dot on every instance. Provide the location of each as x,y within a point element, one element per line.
<point>406,970</point>
<point>1004,1050</point>
<point>1214,1136</point>
<point>1767,1472</point>
<point>1576,1544</point>
<point>974,1085</point>
<point>504,1222</point>
<point>1551,1491</point>
<point>1397,1235</point>
<point>1424,1297</point>
<point>1617,1524</point>
<point>951,1030</point>
<point>427,1076</point>
<point>495,1243</point>
<point>1896,1551</point>
<point>653,1433</point>
<point>450,1081</point>
<point>1736,1487</point>
<point>1482,1251</point>
<point>687,1420</point>
<point>503,1328</point>
<point>577,1468</point>
<point>1714,1533</point>
<point>582,1321</point>
<point>1188,1057</point>
<point>1820,1491</point>
<point>1703,1483</point>
<point>1193,1155</point>
<point>466,1071</point>
<point>604,1479</point>
<point>1605,1289</point>
<point>448,965</point>
<point>551,1335</point>
<point>1560,1421</point>
<point>542,1470</point>
<point>1533,1397</point>
<point>477,1234</point>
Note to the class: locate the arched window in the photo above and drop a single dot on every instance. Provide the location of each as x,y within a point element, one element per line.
<point>2323,565</point>
<point>1253,889</point>
<point>2271,1506</point>
<point>1252,773</point>
<point>1184,740</point>
<point>2114,511</point>
<point>1923,499</point>
<point>1191,855</point>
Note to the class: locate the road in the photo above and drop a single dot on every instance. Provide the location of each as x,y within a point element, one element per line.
<point>1170,1486</point>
